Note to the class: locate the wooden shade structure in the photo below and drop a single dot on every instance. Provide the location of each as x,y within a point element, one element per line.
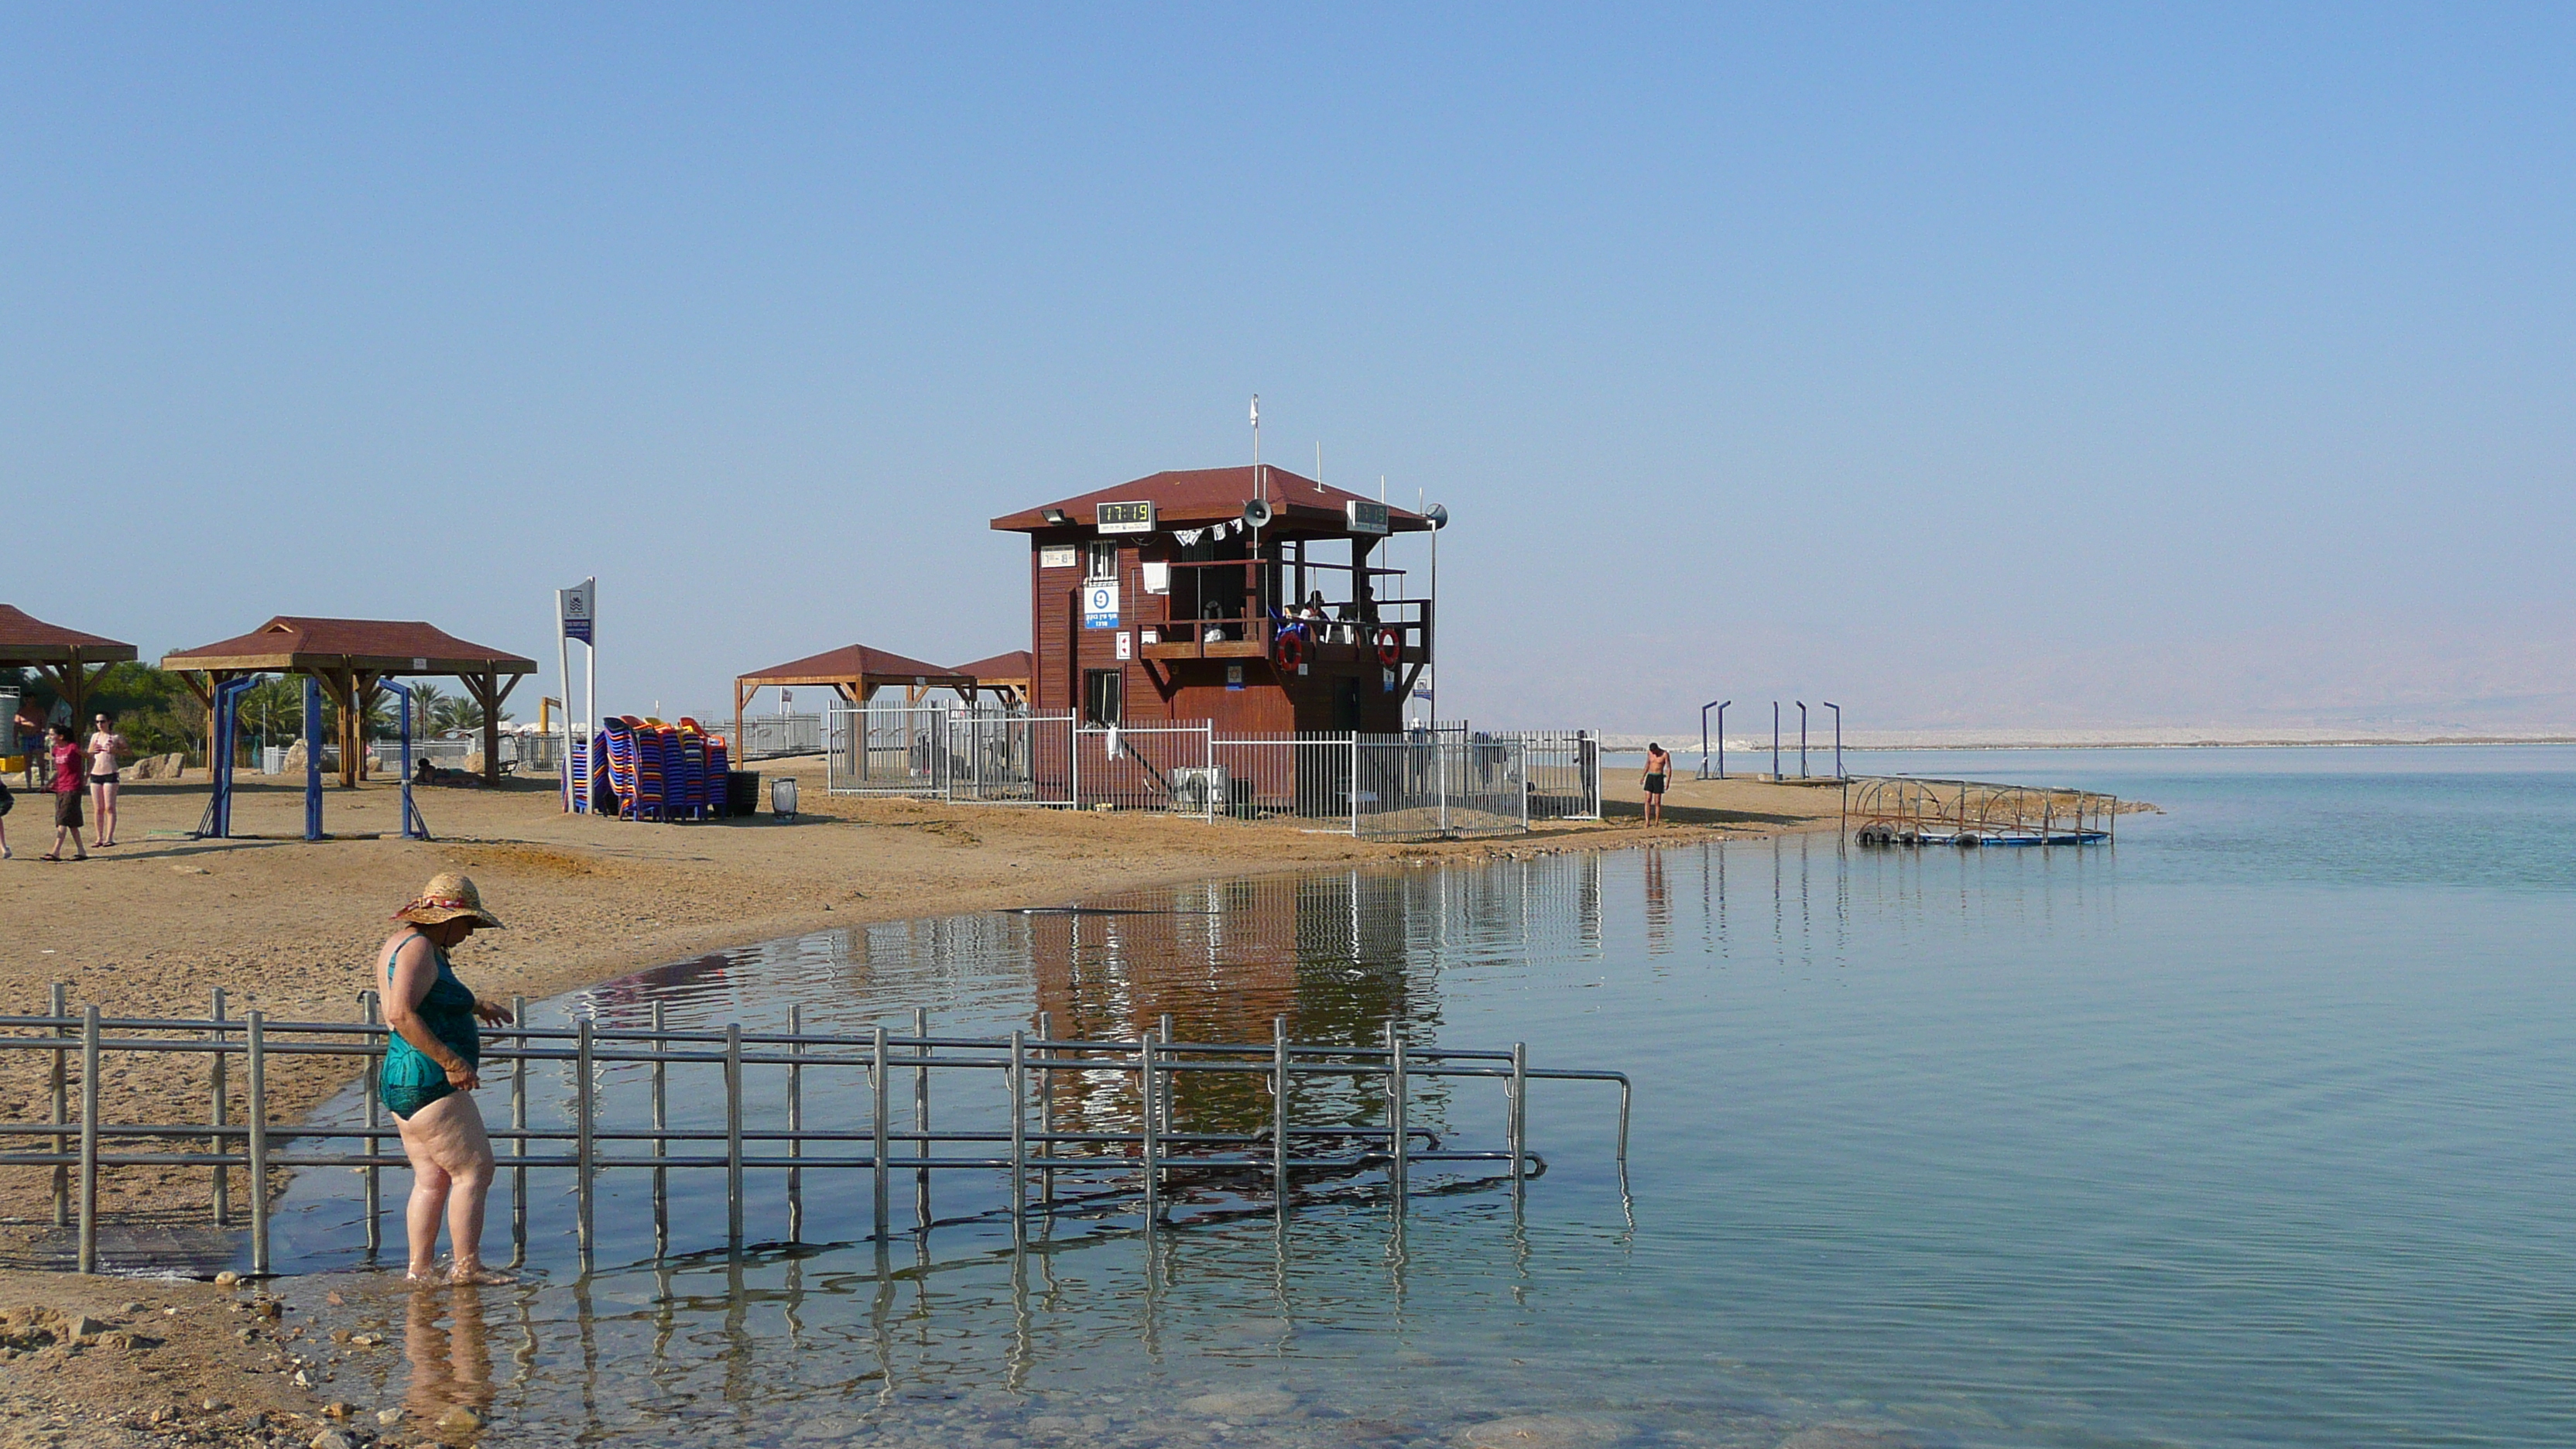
<point>350,656</point>
<point>1007,675</point>
<point>63,656</point>
<point>853,673</point>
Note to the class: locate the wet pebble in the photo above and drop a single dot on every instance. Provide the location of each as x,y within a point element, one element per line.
<point>1241,1403</point>
<point>1545,1431</point>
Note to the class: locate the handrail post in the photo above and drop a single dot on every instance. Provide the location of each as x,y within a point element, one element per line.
<point>661,1124</point>
<point>375,1118</point>
<point>877,1073</point>
<point>1163,1104</point>
<point>60,1084</point>
<point>222,1110</point>
<point>1396,1089</point>
<point>1279,1111</point>
<point>921,1119</point>
<point>1019,1136</point>
<point>1516,1116</point>
<point>89,1140</point>
<point>795,1124</point>
<point>256,1044</point>
<point>585,1148</point>
<point>733,1134</point>
<point>1046,1113</point>
<point>519,1123</point>
<point>1145,1118</point>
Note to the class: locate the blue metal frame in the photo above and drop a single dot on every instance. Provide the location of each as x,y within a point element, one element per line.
<point>312,758</point>
<point>413,826</point>
<point>218,821</point>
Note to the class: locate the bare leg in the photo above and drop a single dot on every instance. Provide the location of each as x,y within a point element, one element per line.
<point>430,1188</point>
<point>106,831</point>
<point>449,1133</point>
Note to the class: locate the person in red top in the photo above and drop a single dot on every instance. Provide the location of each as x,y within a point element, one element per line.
<point>70,780</point>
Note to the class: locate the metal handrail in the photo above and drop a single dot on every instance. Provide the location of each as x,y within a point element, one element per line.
<point>1154,1148</point>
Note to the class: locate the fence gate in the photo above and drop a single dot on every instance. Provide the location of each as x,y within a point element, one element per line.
<point>1149,767</point>
<point>999,758</point>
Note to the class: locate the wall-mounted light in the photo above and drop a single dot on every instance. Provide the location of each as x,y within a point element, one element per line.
<point>1056,516</point>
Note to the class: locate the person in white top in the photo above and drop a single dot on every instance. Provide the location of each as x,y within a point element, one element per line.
<point>105,746</point>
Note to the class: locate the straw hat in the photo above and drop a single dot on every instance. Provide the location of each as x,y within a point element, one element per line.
<point>449,896</point>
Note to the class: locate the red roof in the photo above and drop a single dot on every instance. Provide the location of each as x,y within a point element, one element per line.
<point>385,646</point>
<point>858,661</point>
<point>26,639</point>
<point>1016,667</point>
<point>1193,496</point>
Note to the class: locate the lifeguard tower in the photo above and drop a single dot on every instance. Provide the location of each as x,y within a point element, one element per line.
<point>1243,596</point>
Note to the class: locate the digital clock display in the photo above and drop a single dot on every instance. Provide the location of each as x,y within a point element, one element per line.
<point>1125,517</point>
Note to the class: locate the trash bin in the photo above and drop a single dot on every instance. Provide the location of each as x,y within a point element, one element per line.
<point>782,797</point>
<point>742,792</point>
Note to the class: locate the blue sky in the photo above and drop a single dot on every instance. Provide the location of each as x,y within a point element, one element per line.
<point>1979,365</point>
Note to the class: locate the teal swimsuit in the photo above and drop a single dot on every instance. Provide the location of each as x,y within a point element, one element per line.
<point>409,1080</point>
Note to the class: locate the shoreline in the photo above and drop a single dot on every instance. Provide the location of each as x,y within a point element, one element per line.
<point>1628,744</point>
<point>290,928</point>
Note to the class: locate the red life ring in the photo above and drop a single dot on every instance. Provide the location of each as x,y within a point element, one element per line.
<point>1289,649</point>
<point>1390,647</point>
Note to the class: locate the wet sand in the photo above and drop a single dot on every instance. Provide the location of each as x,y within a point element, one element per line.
<point>290,928</point>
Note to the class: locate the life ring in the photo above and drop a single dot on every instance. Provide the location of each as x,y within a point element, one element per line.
<point>1290,649</point>
<point>1390,647</point>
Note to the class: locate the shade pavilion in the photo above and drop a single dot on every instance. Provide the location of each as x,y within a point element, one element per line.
<point>1004,675</point>
<point>350,657</point>
<point>63,656</point>
<point>854,673</point>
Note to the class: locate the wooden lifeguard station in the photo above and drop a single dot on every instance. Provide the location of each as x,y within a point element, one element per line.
<point>1182,596</point>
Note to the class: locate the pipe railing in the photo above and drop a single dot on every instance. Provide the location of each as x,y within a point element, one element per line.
<point>1151,1151</point>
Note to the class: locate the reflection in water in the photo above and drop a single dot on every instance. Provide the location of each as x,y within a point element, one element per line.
<point>450,1366</point>
<point>820,1339</point>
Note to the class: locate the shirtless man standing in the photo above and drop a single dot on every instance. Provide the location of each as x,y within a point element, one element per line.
<point>1659,768</point>
<point>105,745</point>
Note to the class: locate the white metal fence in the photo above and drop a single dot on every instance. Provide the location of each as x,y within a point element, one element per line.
<point>1446,781</point>
<point>768,736</point>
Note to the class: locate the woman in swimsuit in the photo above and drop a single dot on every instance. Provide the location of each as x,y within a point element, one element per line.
<point>431,1055</point>
<point>105,745</point>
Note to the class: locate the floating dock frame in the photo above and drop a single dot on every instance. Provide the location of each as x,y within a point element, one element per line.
<point>1903,810</point>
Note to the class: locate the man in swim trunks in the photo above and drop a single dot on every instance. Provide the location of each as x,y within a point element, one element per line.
<point>1659,768</point>
<point>432,1053</point>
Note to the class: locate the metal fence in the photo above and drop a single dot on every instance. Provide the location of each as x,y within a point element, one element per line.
<point>1446,780</point>
<point>768,736</point>
<point>1119,1137</point>
<point>888,750</point>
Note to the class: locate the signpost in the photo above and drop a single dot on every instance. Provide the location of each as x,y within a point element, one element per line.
<point>577,617</point>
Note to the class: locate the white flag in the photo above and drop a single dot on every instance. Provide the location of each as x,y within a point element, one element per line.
<point>1256,410</point>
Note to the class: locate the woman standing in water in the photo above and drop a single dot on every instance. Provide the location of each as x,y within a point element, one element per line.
<point>431,1056</point>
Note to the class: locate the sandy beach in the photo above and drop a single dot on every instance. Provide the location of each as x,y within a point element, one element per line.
<point>156,924</point>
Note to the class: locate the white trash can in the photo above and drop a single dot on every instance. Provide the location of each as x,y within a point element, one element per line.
<point>782,798</point>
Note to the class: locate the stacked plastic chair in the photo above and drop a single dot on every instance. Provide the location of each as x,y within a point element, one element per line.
<point>691,793</point>
<point>652,772</point>
<point>719,777</point>
<point>618,759</point>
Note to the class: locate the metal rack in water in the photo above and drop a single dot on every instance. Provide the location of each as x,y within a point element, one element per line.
<point>1024,1149</point>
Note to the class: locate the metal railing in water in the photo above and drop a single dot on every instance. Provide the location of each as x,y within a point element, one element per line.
<point>1031,1146</point>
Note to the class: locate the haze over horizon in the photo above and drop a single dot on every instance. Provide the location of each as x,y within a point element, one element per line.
<point>2000,367</point>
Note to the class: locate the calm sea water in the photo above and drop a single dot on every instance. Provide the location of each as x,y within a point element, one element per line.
<point>2254,1129</point>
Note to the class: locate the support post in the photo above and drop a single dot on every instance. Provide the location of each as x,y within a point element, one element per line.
<point>89,1141</point>
<point>733,1135</point>
<point>921,1119</point>
<point>256,1043</point>
<point>1019,1136</point>
<point>795,1124</point>
<point>1279,1111</point>
<point>222,1108</point>
<point>1516,1115</point>
<point>312,757</point>
<point>60,1085</point>
<point>519,1123</point>
<point>375,1109</point>
<point>1145,1118</point>
<point>1401,1163</point>
<point>585,1145</point>
<point>1046,1112</point>
<point>661,1124</point>
<point>877,1072</point>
